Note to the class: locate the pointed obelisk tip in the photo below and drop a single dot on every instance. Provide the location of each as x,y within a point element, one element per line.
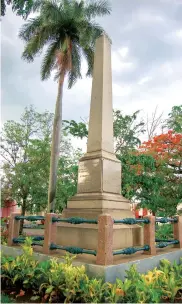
<point>104,36</point>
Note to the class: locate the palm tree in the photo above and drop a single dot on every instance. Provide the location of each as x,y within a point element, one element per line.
<point>68,30</point>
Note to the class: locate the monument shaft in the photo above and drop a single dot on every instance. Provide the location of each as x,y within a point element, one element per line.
<point>99,173</point>
<point>100,133</point>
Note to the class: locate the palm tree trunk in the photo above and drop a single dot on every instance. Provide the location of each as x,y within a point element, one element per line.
<point>55,149</point>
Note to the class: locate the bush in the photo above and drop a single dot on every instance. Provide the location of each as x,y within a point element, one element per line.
<point>6,299</point>
<point>164,231</point>
<point>51,281</point>
<point>4,230</point>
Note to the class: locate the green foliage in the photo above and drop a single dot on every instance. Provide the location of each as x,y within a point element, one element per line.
<point>174,121</point>
<point>56,282</point>
<point>166,151</point>
<point>26,152</point>
<point>127,130</point>
<point>6,299</point>
<point>152,287</point>
<point>118,292</point>
<point>67,184</point>
<point>20,271</point>
<point>4,235</point>
<point>20,7</point>
<point>76,129</point>
<point>154,186</point>
<point>26,162</point>
<point>139,184</point>
<point>164,232</point>
<point>4,230</point>
<point>68,30</point>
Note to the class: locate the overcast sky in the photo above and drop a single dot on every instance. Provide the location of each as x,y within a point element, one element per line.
<point>146,63</point>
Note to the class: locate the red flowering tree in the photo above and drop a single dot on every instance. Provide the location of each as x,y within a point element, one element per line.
<point>166,150</point>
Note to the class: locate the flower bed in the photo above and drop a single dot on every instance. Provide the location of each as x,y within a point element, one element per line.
<point>30,281</point>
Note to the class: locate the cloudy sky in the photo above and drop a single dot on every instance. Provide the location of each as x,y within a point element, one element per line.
<point>146,63</point>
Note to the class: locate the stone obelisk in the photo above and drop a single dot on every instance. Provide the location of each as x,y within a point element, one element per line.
<point>99,174</point>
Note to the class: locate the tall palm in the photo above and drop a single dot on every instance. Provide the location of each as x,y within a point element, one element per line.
<point>68,30</point>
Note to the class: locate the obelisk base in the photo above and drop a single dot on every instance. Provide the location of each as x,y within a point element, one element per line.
<point>90,206</point>
<point>86,236</point>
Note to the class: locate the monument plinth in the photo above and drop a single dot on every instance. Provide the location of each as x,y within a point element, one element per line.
<point>99,174</point>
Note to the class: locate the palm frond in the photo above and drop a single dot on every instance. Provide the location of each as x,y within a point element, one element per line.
<point>89,32</point>
<point>51,12</point>
<point>30,28</point>
<point>77,9</point>
<point>97,31</point>
<point>37,5</point>
<point>49,60</point>
<point>89,56</point>
<point>64,26</point>
<point>31,49</point>
<point>3,7</point>
<point>75,71</point>
<point>97,8</point>
<point>68,6</point>
<point>36,44</point>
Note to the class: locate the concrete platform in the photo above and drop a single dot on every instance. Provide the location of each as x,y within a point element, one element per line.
<point>108,273</point>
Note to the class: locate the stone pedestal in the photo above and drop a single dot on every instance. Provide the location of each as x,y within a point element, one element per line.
<point>99,174</point>
<point>86,236</point>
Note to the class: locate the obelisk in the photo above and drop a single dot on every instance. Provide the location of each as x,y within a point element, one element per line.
<point>99,174</point>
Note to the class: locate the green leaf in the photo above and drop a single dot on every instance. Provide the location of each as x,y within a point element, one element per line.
<point>49,289</point>
<point>34,298</point>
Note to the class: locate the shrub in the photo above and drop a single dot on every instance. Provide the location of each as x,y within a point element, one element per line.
<point>6,299</point>
<point>4,231</point>
<point>56,282</point>
<point>164,231</point>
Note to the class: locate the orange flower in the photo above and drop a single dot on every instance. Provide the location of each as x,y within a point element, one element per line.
<point>120,292</point>
<point>21,294</point>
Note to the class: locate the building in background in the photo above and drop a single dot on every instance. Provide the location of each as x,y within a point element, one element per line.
<point>9,207</point>
<point>141,212</point>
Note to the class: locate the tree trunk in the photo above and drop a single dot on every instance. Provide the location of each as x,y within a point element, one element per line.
<point>55,148</point>
<point>23,209</point>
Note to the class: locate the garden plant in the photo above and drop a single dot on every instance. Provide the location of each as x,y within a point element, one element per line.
<point>51,281</point>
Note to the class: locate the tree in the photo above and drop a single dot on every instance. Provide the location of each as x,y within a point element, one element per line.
<point>153,123</point>
<point>140,183</point>
<point>26,153</point>
<point>67,179</point>
<point>127,130</point>
<point>174,120</point>
<point>68,30</point>
<point>166,150</point>
<point>21,7</point>
<point>77,129</point>
<point>151,172</point>
<point>165,192</point>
